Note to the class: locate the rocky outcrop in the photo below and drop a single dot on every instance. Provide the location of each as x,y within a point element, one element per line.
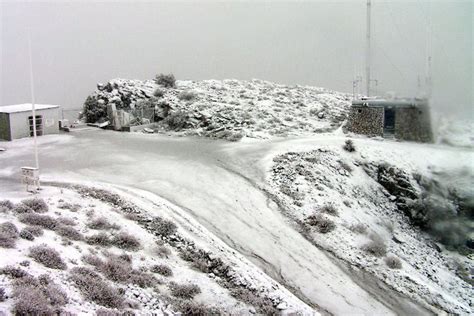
<point>224,109</point>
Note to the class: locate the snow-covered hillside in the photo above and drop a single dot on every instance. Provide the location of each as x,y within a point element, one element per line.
<point>337,198</point>
<point>228,109</point>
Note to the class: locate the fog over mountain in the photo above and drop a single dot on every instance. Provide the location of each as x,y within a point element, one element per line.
<point>320,43</point>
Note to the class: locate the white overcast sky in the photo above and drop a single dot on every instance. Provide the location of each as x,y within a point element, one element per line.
<point>79,43</point>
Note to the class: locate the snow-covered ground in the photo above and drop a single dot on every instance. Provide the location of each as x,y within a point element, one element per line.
<point>229,189</point>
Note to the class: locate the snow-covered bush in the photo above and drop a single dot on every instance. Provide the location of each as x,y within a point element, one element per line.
<point>167,81</point>
<point>185,291</point>
<point>393,262</point>
<point>34,230</point>
<point>3,295</point>
<point>26,234</point>
<point>162,269</point>
<point>47,256</point>
<point>162,251</point>
<point>6,206</point>
<point>93,110</point>
<point>158,93</point>
<point>193,308</point>
<point>66,221</point>
<point>329,209</point>
<point>95,289</point>
<point>349,146</point>
<point>21,208</point>
<point>101,223</point>
<point>163,227</point>
<point>125,241</point>
<point>8,235</point>
<point>13,272</point>
<point>263,305</point>
<point>44,221</point>
<point>142,279</point>
<point>359,228</point>
<point>187,95</point>
<point>322,224</point>
<point>36,204</point>
<point>68,232</point>
<point>376,246</point>
<point>68,206</point>
<point>100,239</point>
<point>176,120</point>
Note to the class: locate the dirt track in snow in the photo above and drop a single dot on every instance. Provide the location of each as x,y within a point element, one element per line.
<point>217,183</point>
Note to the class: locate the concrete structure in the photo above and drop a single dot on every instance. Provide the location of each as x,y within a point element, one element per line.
<point>16,121</point>
<point>401,119</point>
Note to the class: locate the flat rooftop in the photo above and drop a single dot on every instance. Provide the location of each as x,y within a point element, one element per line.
<point>25,107</point>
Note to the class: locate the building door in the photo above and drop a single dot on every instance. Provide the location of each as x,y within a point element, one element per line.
<point>389,121</point>
<point>39,125</point>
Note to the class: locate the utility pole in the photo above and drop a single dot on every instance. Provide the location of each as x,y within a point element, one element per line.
<point>368,55</point>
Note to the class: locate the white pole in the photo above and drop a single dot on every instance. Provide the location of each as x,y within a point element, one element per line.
<point>367,56</point>
<point>33,110</point>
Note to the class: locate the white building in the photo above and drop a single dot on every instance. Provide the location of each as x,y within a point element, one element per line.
<point>16,121</point>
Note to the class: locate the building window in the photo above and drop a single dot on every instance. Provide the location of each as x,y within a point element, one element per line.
<point>38,123</point>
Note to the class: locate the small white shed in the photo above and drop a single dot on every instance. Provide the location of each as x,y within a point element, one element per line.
<point>16,121</point>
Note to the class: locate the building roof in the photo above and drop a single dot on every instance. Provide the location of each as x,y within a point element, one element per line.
<point>400,103</point>
<point>25,107</point>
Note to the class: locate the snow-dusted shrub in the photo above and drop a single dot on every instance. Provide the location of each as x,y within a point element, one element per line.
<point>93,110</point>
<point>187,95</point>
<point>26,234</point>
<point>349,146</point>
<point>125,241</point>
<point>3,295</point>
<point>185,291</point>
<point>47,256</point>
<point>167,81</point>
<point>263,305</point>
<point>329,209</point>
<point>346,166</point>
<point>13,272</point>
<point>68,206</point>
<point>6,206</point>
<point>21,208</point>
<point>142,279</point>
<point>24,263</point>
<point>163,251</point>
<point>101,223</point>
<point>66,221</point>
<point>91,259</point>
<point>321,223</point>
<point>158,93</point>
<point>193,308</point>
<point>37,296</point>
<point>115,269</point>
<point>163,227</point>
<point>34,230</point>
<point>8,235</point>
<point>132,216</point>
<point>177,120</point>
<point>68,232</point>
<point>393,262</point>
<point>44,221</point>
<point>36,204</point>
<point>359,228</point>
<point>376,246</point>
<point>100,239</point>
<point>162,269</point>
<point>95,289</point>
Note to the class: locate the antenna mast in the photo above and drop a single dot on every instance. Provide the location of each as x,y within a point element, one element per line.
<point>367,56</point>
<point>33,100</point>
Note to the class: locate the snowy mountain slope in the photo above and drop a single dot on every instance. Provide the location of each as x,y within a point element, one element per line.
<point>229,109</point>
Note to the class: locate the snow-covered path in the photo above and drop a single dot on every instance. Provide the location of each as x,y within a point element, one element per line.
<point>196,175</point>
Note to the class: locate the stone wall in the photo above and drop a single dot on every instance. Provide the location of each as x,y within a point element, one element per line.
<point>413,124</point>
<point>366,120</point>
